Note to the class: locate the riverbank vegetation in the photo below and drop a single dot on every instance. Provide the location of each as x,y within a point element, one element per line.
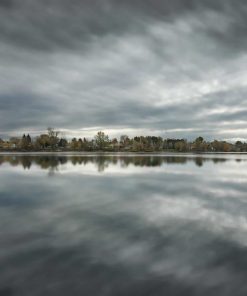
<point>52,141</point>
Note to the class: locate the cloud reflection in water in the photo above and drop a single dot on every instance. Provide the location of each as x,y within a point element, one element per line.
<point>137,225</point>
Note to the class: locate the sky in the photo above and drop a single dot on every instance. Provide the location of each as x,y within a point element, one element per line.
<point>151,67</point>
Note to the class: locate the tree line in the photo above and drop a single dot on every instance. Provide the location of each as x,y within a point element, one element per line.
<point>52,141</point>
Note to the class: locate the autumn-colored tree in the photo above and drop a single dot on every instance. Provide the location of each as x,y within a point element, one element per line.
<point>42,142</point>
<point>181,146</point>
<point>199,144</point>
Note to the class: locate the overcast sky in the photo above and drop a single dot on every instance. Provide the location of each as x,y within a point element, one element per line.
<point>171,68</point>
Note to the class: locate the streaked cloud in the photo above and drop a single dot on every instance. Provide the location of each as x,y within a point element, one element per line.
<point>168,68</point>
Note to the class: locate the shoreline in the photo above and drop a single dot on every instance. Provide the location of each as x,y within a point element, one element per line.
<point>116,153</point>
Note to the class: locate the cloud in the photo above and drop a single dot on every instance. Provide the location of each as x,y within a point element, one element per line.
<point>154,66</point>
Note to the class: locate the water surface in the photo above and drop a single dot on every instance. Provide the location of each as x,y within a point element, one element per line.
<point>123,225</point>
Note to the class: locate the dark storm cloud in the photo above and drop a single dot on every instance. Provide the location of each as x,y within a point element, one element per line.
<point>47,24</point>
<point>160,66</point>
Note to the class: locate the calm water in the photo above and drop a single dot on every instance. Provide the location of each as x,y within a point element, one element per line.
<point>136,225</point>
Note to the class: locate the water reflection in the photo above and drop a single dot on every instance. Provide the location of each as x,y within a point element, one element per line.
<point>102,161</point>
<point>154,225</point>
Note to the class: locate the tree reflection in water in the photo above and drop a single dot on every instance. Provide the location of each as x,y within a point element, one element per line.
<point>53,162</point>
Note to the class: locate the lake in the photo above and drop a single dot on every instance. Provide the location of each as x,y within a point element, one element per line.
<point>113,225</point>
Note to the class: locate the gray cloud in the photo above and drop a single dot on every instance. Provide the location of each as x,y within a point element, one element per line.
<point>175,68</point>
